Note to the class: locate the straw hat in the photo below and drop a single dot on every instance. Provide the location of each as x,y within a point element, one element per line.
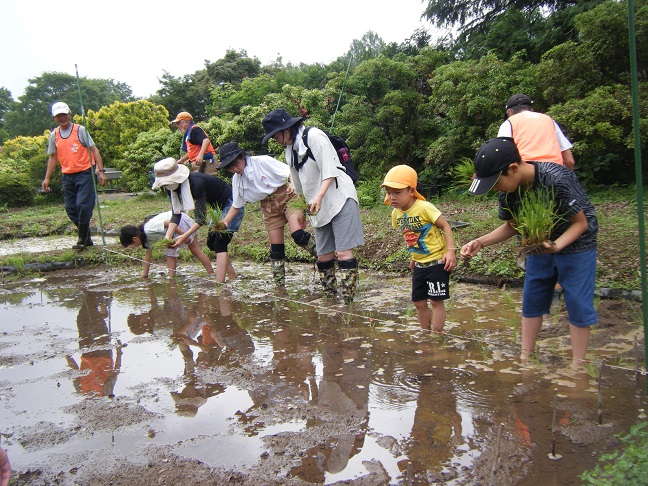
<point>167,171</point>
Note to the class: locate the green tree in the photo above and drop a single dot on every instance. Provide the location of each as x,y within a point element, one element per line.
<point>31,115</point>
<point>148,148</point>
<point>192,92</point>
<point>16,152</point>
<point>600,127</point>
<point>603,31</point>
<point>114,127</point>
<point>468,100</point>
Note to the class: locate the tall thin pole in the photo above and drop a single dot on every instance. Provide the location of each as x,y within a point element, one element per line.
<point>94,183</point>
<point>341,91</point>
<point>638,172</point>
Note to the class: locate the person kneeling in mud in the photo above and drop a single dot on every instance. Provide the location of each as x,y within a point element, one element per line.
<point>157,229</point>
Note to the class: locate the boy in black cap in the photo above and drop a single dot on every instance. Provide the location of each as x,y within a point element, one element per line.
<point>570,253</point>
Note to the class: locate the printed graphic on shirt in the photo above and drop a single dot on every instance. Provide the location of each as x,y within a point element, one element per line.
<point>414,232</point>
<point>74,148</point>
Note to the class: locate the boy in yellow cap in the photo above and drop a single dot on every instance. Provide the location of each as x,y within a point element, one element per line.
<point>429,240</point>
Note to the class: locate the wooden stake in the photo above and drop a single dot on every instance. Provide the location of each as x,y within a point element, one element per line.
<point>497,455</point>
<point>553,423</point>
<point>600,395</point>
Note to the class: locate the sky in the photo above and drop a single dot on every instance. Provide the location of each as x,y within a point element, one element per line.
<point>136,41</point>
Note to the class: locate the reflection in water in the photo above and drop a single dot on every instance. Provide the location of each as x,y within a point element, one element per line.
<point>94,333</point>
<point>312,393</point>
<point>344,390</point>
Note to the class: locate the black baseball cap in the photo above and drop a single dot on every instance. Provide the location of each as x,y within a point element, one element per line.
<point>492,158</point>
<point>518,99</point>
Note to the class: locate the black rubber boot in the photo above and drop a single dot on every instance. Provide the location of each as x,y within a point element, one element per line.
<point>84,237</point>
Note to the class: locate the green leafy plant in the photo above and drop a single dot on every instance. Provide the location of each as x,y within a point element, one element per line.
<point>627,465</point>
<point>462,174</point>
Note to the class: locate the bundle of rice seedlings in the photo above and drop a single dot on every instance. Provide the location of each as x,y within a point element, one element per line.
<point>215,224</point>
<point>299,203</point>
<point>163,243</point>
<point>536,217</point>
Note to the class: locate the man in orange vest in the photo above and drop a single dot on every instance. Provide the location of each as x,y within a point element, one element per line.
<point>72,147</point>
<point>537,136</point>
<point>196,144</point>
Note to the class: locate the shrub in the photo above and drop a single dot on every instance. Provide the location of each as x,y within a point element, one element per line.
<point>16,190</point>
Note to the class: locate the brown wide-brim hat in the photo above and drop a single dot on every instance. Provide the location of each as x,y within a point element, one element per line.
<point>276,121</point>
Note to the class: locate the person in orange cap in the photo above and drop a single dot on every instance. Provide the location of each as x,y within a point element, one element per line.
<point>430,243</point>
<point>199,150</point>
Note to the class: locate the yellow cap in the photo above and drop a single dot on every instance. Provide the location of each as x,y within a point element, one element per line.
<point>401,177</point>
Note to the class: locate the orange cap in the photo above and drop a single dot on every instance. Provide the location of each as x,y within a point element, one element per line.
<point>183,115</point>
<point>401,177</point>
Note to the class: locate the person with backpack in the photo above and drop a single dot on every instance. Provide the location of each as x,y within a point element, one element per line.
<point>318,174</point>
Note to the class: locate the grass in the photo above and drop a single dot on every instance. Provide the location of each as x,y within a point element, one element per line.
<point>384,248</point>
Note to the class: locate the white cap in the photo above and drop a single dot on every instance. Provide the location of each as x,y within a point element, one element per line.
<point>59,108</point>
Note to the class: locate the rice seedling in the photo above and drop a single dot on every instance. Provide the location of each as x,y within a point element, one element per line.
<point>215,224</point>
<point>162,244</point>
<point>299,204</point>
<point>536,217</point>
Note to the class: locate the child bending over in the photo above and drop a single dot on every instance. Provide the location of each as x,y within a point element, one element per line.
<point>156,229</point>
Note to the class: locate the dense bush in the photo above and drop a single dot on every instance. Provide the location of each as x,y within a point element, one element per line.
<point>16,190</point>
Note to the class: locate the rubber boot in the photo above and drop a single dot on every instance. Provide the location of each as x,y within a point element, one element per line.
<point>84,237</point>
<point>278,271</point>
<point>327,278</point>
<point>310,247</point>
<point>348,279</point>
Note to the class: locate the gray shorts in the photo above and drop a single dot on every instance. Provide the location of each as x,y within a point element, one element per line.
<point>344,232</point>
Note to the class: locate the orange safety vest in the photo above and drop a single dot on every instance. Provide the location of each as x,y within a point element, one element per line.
<point>73,155</point>
<point>194,150</point>
<point>535,137</point>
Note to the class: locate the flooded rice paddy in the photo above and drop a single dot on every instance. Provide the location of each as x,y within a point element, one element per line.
<point>109,379</point>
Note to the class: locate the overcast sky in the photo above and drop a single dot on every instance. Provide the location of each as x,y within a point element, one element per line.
<point>135,41</point>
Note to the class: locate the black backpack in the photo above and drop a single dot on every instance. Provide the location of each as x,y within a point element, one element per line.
<point>342,149</point>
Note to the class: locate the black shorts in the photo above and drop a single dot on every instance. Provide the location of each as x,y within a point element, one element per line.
<point>431,282</point>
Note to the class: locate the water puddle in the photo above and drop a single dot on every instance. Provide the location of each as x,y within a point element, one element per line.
<point>101,371</point>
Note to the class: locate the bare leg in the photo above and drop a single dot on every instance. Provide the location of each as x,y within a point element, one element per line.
<point>423,313</point>
<point>224,267</point>
<point>580,342</point>
<point>530,329</point>
<point>195,249</point>
<point>438,315</point>
<point>171,265</point>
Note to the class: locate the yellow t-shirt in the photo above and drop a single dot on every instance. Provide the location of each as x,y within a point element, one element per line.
<point>424,240</point>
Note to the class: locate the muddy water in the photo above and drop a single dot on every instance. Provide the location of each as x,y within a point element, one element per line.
<point>99,369</point>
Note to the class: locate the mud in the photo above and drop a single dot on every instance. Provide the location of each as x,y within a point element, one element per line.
<point>108,379</point>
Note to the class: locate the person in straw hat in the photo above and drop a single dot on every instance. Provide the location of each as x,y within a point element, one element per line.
<point>195,191</point>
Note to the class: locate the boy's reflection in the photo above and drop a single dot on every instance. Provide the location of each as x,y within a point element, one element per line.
<point>344,389</point>
<point>171,314</point>
<point>436,430</point>
<point>94,333</point>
